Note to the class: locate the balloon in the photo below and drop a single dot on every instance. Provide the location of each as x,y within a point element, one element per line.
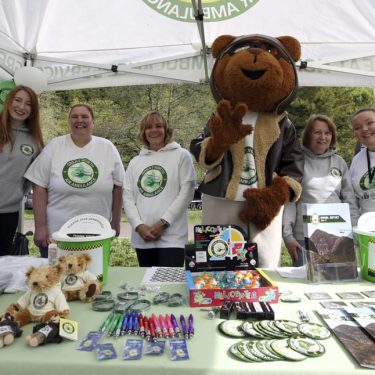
<point>31,77</point>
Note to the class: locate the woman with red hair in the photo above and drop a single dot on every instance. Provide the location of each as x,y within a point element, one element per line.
<point>20,143</point>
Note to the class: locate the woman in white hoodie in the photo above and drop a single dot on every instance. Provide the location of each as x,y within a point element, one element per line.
<point>158,187</point>
<point>325,180</point>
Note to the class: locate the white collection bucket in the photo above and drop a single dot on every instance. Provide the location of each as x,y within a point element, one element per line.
<point>88,233</point>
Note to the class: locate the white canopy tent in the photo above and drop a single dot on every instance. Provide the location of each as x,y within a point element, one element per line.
<point>96,43</point>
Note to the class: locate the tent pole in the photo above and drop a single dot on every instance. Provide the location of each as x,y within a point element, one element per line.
<point>198,15</point>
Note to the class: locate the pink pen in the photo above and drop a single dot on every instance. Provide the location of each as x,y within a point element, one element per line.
<point>163,326</point>
<point>170,326</point>
<point>158,331</point>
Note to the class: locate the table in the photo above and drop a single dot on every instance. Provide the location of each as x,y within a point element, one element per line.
<point>207,350</point>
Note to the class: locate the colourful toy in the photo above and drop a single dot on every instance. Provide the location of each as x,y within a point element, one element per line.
<point>227,280</point>
<point>77,282</point>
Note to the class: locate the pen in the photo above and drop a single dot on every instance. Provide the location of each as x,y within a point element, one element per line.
<point>124,323</point>
<point>113,326</point>
<point>135,323</point>
<point>106,322</point>
<point>184,327</point>
<point>170,326</point>
<point>175,326</point>
<point>142,332</point>
<point>157,326</point>
<point>147,329</point>
<point>118,326</point>
<point>191,326</point>
<point>152,329</point>
<point>129,329</point>
<point>163,326</point>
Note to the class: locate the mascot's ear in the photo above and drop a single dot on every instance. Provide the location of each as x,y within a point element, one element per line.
<point>220,43</point>
<point>293,46</point>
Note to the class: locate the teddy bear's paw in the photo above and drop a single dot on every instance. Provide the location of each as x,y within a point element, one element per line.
<point>8,339</point>
<point>91,290</point>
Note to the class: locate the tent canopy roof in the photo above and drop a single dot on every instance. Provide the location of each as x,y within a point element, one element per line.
<point>95,43</point>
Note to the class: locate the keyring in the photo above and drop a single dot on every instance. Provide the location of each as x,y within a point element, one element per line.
<point>176,299</point>
<point>103,305</point>
<point>161,297</point>
<point>128,296</point>
<point>140,305</point>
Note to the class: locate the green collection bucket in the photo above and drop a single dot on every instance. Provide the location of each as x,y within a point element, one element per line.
<point>366,242</point>
<point>88,233</point>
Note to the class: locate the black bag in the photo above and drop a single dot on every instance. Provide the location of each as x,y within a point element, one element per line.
<point>20,244</point>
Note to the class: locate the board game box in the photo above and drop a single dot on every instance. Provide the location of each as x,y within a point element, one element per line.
<point>221,265</point>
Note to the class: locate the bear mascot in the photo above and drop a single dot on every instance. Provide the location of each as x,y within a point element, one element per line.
<point>249,150</point>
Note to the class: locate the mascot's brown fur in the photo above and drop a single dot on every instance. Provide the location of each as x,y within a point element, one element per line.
<point>252,74</point>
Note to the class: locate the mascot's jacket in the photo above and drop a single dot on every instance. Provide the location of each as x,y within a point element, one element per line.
<point>276,150</point>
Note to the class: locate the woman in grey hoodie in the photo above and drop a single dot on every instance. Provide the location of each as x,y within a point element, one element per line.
<point>20,143</point>
<point>325,180</point>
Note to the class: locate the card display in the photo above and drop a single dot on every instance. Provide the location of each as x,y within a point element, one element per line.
<point>330,254</point>
<point>353,337</point>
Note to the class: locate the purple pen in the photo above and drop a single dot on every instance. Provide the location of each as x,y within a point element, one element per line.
<point>191,326</point>
<point>175,326</point>
<point>184,327</point>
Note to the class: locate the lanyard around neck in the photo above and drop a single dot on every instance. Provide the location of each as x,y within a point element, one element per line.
<point>371,173</point>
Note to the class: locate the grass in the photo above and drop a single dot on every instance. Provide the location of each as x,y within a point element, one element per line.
<point>122,253</point>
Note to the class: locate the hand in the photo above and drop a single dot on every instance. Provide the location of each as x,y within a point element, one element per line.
<point>41,237</point>
<point>226,128</point>
<point>264,204</point>
<point>116,227</point>
<point>146,232</point>
<point>292,248</point>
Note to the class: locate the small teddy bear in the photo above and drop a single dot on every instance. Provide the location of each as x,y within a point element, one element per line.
<point>45,333</point>
<point>77,282</point>
<point>44,298</point>
<point>9,330</point>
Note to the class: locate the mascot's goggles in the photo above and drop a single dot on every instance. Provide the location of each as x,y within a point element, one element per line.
<point>271,45</point>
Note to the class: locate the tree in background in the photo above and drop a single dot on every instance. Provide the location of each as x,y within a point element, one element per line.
<point>187,108</point>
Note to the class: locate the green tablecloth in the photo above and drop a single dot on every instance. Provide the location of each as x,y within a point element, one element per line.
<point>207,350</point>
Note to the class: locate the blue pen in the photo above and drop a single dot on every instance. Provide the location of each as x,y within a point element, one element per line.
<point>124,324</point>
<point>130,324</point>
<point>135,323</point>
<point>184,327</point>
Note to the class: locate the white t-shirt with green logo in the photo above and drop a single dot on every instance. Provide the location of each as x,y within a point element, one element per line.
<point>160,184</point>
<point>78,180</point>
<point>363,189</point>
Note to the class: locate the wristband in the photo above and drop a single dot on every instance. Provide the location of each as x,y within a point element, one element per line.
<point>164,223</point>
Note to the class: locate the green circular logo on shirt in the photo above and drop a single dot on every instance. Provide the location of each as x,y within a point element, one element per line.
<point>213,10</point>
<point>335,172</point>
<point>27,150</point>
<point>152,181</point>
<point>80,173</point>
<point>364,182</point>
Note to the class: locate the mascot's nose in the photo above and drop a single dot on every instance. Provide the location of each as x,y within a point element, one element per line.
<point>254,52</point>
<point>35,283</point>
<point>70,265</point>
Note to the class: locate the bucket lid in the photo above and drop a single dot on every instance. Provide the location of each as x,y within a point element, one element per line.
<point>366,222</point>
<point>83,228</point>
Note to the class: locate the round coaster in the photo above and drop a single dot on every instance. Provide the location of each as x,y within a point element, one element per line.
<point>290,299</point>
<point>281,347</point>
<point>262,347</point>
<point>288,326</point>
<point>249,329</point>
<point>232,328</point>
<point>306,346</point>
<point>268,328</point>
<point>236,353</point>
<point>243,348</point>
<point>314,331</point>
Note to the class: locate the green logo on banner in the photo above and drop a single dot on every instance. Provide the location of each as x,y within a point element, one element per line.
<point>213,10</point>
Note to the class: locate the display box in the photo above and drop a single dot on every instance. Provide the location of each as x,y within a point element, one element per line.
<point>267,291</point>
<point>329,248</point>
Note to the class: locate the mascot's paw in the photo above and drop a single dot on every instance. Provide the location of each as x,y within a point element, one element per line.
<point>264,204</point>
<point>226,128</point>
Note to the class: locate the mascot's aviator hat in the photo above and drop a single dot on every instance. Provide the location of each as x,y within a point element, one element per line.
<point>255,41</point>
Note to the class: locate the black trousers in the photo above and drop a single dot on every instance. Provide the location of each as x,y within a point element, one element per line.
<point>161,257</point>
<point>8,227</point>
